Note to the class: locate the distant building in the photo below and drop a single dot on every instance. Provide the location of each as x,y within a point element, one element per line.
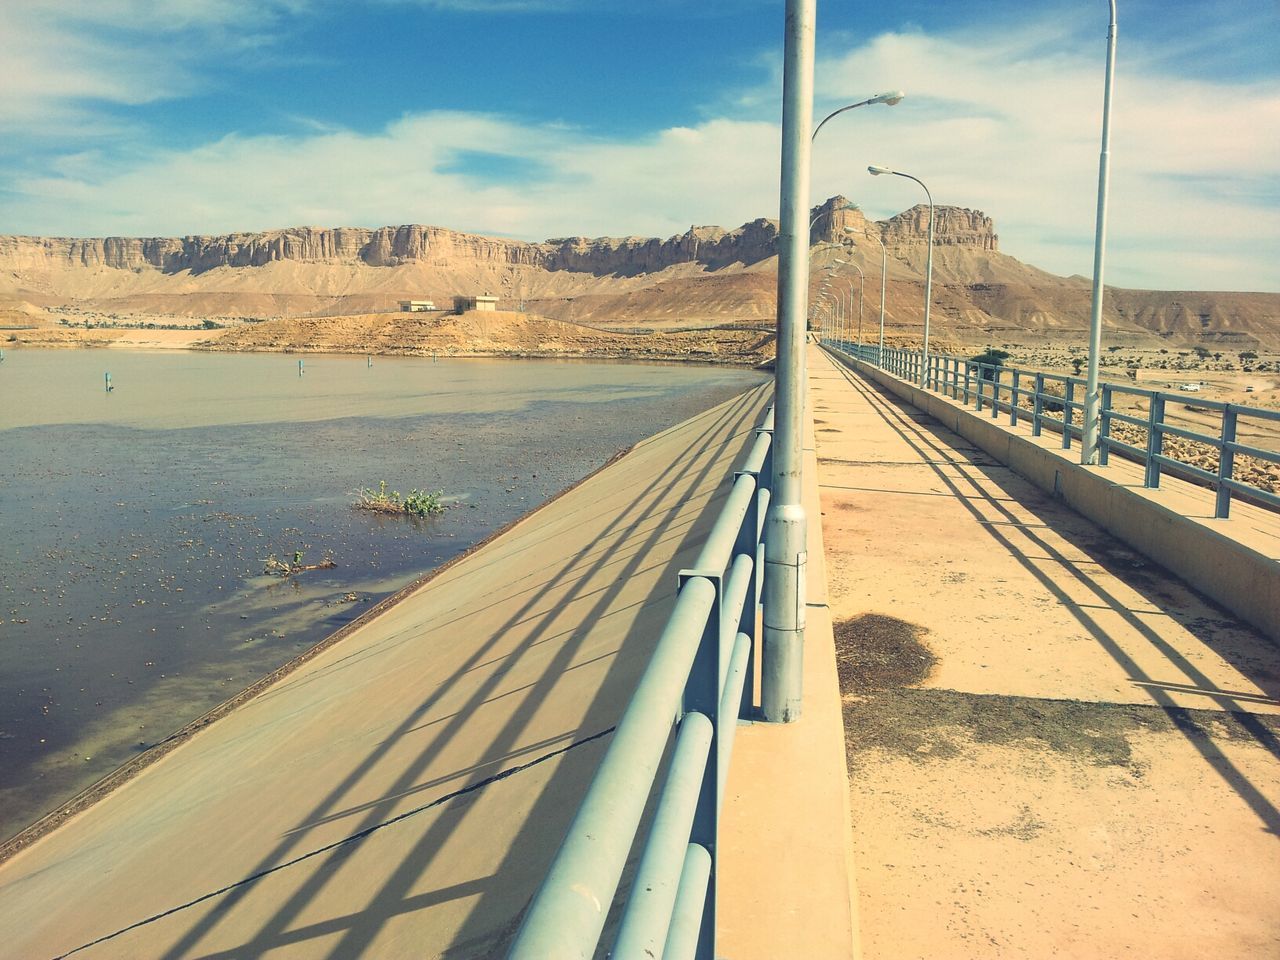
<point>416,306</point>
<point>466,304</point>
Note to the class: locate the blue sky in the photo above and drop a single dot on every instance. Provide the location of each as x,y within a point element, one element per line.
<point>541,118</point>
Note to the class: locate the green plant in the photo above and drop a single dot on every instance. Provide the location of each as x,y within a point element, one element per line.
<point>416,503</point>
<point>990,359</point>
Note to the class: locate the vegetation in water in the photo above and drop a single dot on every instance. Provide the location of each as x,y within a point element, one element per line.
<point>415,503</point>
<point>283,568</point>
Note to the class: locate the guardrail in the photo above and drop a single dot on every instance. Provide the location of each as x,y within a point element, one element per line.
<point>698,681</point>
<point>1002,390</point>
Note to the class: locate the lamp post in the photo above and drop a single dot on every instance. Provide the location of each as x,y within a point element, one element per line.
<point>1089,435</point>
<point>884,266</point>
<point>785,525</point>
<point>861,290</point>
<point>849,308</point>
<point>876,171</point>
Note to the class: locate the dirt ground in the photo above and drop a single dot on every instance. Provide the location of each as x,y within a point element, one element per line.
<point>1055,748</point>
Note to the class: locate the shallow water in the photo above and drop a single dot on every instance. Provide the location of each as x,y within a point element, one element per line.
<point>134,524</point>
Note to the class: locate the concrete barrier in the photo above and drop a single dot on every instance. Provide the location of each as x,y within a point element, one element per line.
<point>1202,551</point>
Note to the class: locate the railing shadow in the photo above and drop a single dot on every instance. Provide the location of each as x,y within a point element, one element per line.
<point>657,514</point>
<point>970,483</point>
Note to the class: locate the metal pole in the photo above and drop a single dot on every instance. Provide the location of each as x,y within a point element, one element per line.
<point>884,266</point>
<point>785,526</point>
<point>862,286</point>
<point>928,290</point>
<point>1089,438</point>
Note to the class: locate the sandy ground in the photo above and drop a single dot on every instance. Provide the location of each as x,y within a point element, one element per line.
<point>121,338</point>
<point>1056,749</point>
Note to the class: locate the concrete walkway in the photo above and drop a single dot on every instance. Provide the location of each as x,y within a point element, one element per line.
<point>401,794</point>
<point>1056,748</point>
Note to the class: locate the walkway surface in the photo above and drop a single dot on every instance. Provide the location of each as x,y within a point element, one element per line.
<point>401,794</point>
<point>1056,748</point>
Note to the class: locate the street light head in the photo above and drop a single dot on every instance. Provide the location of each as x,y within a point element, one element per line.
<point>891,99</point>
<point>877,171</point>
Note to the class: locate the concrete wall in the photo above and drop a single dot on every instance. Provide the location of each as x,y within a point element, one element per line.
<point>1235,575</point>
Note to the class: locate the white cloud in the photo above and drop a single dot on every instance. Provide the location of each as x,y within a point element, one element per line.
<point>1009,125</point>
<point>656,186</point>
<point>1012,125</point>
<point>63,58</point>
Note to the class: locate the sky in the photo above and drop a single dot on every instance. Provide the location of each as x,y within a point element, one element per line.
<point>536,119</point>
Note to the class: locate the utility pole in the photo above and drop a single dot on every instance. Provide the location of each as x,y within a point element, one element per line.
<point>785,528</point>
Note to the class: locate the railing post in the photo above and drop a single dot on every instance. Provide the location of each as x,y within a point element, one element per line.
<point>996,372</point>
<point>1226,461</point>
<point>966,381</point>
<point>981,381</point>
<point>1069,397</point>
<point>749,543</point>
<point>1038,410</point>
<point>1155,440</point>
<point>1015,398</point>
<point>1104,432</point>
<point>702,695</point>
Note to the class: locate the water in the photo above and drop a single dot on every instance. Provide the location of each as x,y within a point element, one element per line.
<point>134,525</point>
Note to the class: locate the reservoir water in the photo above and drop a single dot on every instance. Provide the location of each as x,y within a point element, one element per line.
<point>135,523</point>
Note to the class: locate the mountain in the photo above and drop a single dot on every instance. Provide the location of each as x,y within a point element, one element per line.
<point>707,275</point>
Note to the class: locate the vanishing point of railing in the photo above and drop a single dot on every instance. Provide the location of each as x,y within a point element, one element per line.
<point>698,679</point>
<point>1050,400</point>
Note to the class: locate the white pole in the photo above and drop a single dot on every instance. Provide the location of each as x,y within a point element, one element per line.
<point>884,264</point>
<point>1089,437</point>
<point>785,524</point>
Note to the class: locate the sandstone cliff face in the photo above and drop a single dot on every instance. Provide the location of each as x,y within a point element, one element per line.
<point>952,226</point>
<point>388,247</point>
<point>710,247</point>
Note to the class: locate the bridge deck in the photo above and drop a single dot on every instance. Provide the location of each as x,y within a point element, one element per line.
<point>1056,748</point>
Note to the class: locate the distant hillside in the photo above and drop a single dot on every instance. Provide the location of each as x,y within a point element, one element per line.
<point>707,275</point>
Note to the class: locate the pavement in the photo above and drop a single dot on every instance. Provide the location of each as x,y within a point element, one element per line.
<point>402,793</point>
<point>1056,747</point>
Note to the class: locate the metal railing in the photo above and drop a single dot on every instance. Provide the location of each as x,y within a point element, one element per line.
<point>1056,401</point>
<point>699,680</point>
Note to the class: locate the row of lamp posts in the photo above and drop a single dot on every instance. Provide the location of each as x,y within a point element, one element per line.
<point>786,523</point>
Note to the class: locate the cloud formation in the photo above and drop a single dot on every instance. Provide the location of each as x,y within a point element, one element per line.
<point>1008,123</point>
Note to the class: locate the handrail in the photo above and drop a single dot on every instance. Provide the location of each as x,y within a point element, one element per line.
<point>985,386</point>
<point>697,675</point>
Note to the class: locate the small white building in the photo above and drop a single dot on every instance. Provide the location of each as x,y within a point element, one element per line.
<point>416,306</point>
<point>467,304</point>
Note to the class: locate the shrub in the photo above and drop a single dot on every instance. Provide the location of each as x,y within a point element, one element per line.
<point>416,503</point>
<point>991,358</point>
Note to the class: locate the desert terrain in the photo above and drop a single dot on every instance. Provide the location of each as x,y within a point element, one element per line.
<point>708,295</point>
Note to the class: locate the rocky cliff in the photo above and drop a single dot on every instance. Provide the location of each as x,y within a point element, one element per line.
<point>952,226</point>
<point>710,247</point>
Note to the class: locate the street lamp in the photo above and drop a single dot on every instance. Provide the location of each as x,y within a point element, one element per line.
<point>890,99</point>
<point>884,266</point>
<point>849,292</point>
<point>861,290</point>
<point>1089,435</point>
<point>876,171</point>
